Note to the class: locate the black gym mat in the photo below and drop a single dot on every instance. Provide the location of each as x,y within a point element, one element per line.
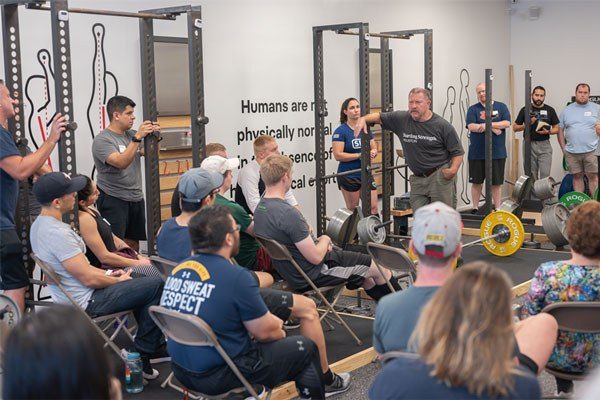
<point>519,266</point>
<point>339,346</point>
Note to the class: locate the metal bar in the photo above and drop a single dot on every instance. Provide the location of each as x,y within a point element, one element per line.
<point>199,120</point>
<point>428,61</point>
<point>489,78</point>
<point>483,239</point>
<point>37,6</point>
<point>527,120</point>
<point>387,140</point>
<point>170,39</point>
<point>379,35</point>
<point>365,104</point>
<point>151,147</point>
<point>337,27</point>
<point>320,114</point>
<point>63,91</point>
<point>353,171</point>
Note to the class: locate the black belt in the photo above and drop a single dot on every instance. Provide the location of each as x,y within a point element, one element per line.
<point>427,173</point>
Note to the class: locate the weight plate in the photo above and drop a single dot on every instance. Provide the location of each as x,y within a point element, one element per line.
<point>512,207</point>
<point>368,232</point>
<point>339,224</point>
<point>545,188</point>
<point>554,222</point>
<point>413,257</point>
<point>573,199</point>
<point>11,315</point>
<point>521,189</point>
<point>499,220</point>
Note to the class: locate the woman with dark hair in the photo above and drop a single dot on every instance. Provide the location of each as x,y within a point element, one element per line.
<point>465,345</point>
<point>104,249</point>
<point>347,150</point>
<point>576,279</point>
<point>56,354</point>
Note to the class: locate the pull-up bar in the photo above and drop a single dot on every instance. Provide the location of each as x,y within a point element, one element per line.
<point>379,35</point>
<point>171,17</point>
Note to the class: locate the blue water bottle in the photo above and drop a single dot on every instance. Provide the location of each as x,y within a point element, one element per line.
<point>134,381</point>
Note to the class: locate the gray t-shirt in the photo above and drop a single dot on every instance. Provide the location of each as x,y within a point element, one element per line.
<point>427,145</point>
<point>124,184</point>
<point>396,317</point>
<point>53,241</point>
<point>276,219</point>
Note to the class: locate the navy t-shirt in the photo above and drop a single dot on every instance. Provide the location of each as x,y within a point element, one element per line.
<point>223,295</point>
<point>9,187</point>
<point>409,378</point>
<point>476,115</point>
<point>173,241</point>
<point>345,134</point>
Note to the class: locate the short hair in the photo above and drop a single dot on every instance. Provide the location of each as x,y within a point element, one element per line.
<point>538,88</point>
<point>189,207</point>
<point>2,82</point>
<point>209,227</point>
<point>261,142</point>
<point>118,104</point>
<point>274,167</point>
<point>343,116</point>
<point>212,148</point>
<point>418,90</point>
<point>582,84</point>
<point>583,229</point>
<point>55,354</point>
<point>434,262</point>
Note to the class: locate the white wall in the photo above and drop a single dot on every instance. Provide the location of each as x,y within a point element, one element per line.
<point>561,48</point>
<point>261,50</point>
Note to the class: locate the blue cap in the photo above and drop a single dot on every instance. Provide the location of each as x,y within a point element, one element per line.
<point>197,183</point>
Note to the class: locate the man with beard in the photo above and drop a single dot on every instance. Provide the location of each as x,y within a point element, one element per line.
<point>431,147</point>
<point>544,122</point>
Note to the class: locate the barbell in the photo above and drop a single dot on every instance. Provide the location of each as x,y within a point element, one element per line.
<point>353,171</point>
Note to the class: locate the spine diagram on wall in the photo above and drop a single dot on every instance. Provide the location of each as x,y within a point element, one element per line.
<point>39,89</point>
<point>463,104</point>
<point>104,85</point>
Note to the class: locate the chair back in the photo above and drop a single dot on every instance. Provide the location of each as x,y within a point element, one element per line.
<point>576,316</point>
<point>164,265</point>
<point>276,251</point>
<point>391,258</point>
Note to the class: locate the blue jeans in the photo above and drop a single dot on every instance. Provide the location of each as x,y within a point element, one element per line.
<point>138,295</point>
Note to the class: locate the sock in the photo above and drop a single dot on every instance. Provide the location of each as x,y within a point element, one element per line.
<point>328,377</point>
<point>395,284</point>
<point>378,291</point>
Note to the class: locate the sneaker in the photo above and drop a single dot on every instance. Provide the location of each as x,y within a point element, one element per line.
<point>148,372</point>
<point>160,356</point>
<point>341,383</point>
<point>260,390</point>
<point>291,324</point>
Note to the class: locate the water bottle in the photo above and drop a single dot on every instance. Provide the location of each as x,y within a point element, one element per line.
<point>134,381</point>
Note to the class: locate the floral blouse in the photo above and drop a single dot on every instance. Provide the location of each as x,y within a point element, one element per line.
<point>556,281</point>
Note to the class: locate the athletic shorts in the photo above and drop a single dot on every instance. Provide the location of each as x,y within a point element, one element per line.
<point>13,274</point>
<point>342,267</point>
<point>127,218</point>
<point>477,171</point>
<point>350,184</point>
<point>279,302</point>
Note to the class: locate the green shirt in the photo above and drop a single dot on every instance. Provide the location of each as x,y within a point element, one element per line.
<point>248,245</point>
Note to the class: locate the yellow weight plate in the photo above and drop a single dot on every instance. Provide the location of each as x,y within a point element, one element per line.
<point>413,257</point>
<point>497,220</point>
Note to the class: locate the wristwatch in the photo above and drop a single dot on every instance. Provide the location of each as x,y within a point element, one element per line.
<point>136,140</point>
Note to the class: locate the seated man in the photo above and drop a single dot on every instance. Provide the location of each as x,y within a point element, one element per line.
<point>99,292</point>
<point>227,298</point>
<point>212,149</point>
<point>195,184</point>
<point>275,219</point>
<point>436,236</point>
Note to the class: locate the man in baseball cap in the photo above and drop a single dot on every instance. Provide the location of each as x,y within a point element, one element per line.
<point>55,185</point>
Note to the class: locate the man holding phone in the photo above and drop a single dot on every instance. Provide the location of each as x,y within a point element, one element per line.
<point>544,122</point>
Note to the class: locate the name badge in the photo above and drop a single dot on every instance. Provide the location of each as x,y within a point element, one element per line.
<point>587,114</point>
<point>543,112</point>
<point>122,148</point>
<point>495,113</point>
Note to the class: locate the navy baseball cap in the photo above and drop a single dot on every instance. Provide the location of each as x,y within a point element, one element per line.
<point>55,185</point>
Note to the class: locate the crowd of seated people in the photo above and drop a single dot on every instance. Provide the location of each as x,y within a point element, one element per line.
<point>451,327</point>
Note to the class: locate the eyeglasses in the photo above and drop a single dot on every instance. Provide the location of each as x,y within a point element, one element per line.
<point>238,227</point>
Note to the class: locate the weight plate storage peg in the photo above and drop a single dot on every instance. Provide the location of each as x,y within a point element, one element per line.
<point>369,229</point>
<point>573,199</point>
<point>554,222</point>
<point>512,237</point>
<point>521,189</point>
<point>546,188</point>
<point>339,224</point>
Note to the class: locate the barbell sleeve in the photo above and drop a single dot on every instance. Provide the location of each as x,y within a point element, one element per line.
<point>483,239</point>
<point>376,227</point>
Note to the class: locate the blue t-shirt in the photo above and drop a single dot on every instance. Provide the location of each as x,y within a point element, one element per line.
<point>475,115</point>
<point>579,122</point>
<point>223,295</point>
<point>345,134</point>
<point>9,187</point>
<point>173,241</point>
<point>391,333</point>
<point>409,378</point>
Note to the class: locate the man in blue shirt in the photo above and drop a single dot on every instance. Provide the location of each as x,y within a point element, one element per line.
<point>14,168</point>
<point>227,298</point>
<point>578,138</point>
<point>475,121</point>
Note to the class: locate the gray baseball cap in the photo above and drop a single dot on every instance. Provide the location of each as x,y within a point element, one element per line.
<point>437,230</point>
<point>197,183</point>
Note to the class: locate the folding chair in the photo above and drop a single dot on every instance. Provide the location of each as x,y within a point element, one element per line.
<point>278,252</point>
<point>191,330</point>
<point>574,316</point>
<point>101,324</point>
<point>165,266</point>
<point>394,259</point>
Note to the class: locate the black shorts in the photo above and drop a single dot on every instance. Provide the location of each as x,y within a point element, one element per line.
<point>13,274</point>
<point>127,218</point>
<point>279,302</point>
<point>350,184</point>
<point>477,171</point>
<point>343,267</point>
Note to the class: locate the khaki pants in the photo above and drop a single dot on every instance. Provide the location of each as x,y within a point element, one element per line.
<point>432,188</point>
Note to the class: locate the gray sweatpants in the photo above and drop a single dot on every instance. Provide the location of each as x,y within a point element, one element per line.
<point>541,159</point>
